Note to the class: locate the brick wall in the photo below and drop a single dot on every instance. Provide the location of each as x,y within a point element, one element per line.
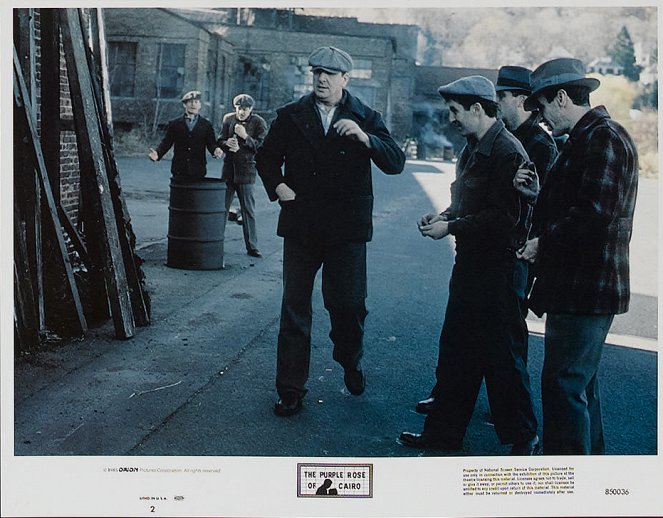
<point>69,165</point>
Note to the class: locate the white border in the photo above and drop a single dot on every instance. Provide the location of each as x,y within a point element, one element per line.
<point>248,486</point>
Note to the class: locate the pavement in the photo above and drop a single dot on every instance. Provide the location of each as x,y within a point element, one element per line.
<point>199,380</point>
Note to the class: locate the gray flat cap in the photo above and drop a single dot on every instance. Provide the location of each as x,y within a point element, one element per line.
<point>193,94</point>
<point>477,86</point>
<point>330,59</point>
<point>244,100</point>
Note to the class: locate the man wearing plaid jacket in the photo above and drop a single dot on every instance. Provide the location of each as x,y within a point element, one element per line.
<point>582,227</point>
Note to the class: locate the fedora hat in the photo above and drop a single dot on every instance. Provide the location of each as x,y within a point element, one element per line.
<point>559,72</point>
<point>513,78</point>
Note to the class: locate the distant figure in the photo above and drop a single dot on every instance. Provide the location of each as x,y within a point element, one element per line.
<point>581,231</point>
<point>241,136</point>
<point>190,133</point>
<point>316,161</point>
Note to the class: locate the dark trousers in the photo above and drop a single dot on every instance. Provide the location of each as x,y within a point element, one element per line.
<point>572,421</point>
<point>247,204</point>
<point>344,293</point>
<point>484,336</point>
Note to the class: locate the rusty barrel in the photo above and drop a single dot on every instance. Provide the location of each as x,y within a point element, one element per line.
<point>196,223</point>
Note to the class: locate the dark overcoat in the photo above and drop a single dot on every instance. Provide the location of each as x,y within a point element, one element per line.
<point>189,158</point>
<point>584,221</point>
<point>240,167</point>
<point>330,174</point>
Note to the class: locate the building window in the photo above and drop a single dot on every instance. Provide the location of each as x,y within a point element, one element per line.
<point>302,77</point>
<point>367,94</point>
<point>362,69</point>
<point>254,80</point>
<point>170,70</point>
<point>122,68</point>
<point>210,75</point>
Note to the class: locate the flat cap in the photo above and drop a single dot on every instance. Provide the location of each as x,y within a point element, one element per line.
<point>192,95</point>
<point>244,100</point>
<point>513,78</point>
<point>476,86</point>
<point>330,59</point>
<point>559,72</point>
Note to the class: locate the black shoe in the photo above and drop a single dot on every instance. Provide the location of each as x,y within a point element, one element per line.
<point>530,447</point>
<point>239,220</point>
<point>425,405</point>
<point>254,253</point>
<point>355,381</point>
<point>232,216</point>
<point>425,442</point>
<point>288,405</point>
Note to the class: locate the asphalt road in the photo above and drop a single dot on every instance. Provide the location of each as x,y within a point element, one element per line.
<point>200,380</point>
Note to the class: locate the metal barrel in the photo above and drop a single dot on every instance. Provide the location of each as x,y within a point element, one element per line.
<point>196,223</point>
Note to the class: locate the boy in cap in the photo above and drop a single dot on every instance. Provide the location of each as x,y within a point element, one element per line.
<point>484,334</point>
<point>242,133</point>
<point>582,226</point>
<point>190,133</point>
<point>327,140</point>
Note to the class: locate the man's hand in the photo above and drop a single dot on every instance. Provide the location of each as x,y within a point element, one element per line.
<point>349,128</point>
<point>429,218</point>
<point>436,230</point>
<point>232,144</point>
<point>530,251</point>
<point>284,192</point>
<point>218,152</point>
<point>240,131</point>
<point>153,155</point>
<point>526,182</point>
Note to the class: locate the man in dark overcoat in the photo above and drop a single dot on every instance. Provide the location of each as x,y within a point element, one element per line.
<point>191,134</point>
<point>242,133</point>
<point>582,227</point>
<point>327,141</point>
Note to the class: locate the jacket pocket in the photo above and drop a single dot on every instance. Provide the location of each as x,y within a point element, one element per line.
<point>475,190</point>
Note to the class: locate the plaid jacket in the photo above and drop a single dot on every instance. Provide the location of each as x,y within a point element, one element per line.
<point>584,220</point>
<point>540,146</point>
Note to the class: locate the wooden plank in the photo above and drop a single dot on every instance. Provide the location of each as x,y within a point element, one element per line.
<point>92,162</point>
<point>51,215</point>
<point>99,72</point>
<point>76,239</point>
<point>50,97</point>
<point>25,307</point>
<point>26,182</point>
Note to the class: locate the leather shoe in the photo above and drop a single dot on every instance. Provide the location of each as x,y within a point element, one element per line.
<point>425,442</point>
<point>355,380</point>
<point>254,253</point>
<point>288,405</point>
<point>425,405</point>
<point>530,447</point>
